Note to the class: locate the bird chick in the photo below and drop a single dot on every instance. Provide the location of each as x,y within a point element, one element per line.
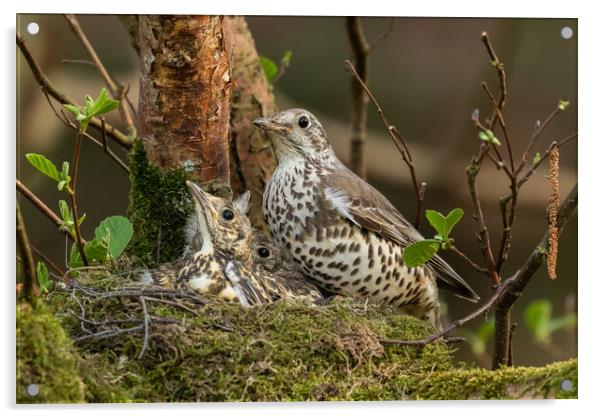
<point>223,263</point>
<point>270,262</point>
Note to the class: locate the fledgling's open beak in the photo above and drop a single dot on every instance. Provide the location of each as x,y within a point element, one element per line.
<point>198,194</point>
<point>268,125</point>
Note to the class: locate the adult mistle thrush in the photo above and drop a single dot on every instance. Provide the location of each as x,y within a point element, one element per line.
<point>223,263</point>
<point>341,231</point>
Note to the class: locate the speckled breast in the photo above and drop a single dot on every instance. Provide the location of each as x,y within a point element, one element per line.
<point>338,255</point>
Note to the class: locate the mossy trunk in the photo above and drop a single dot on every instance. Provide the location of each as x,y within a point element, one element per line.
<point>201,86</point>
<point>185,96</point>
<point>252,158</point>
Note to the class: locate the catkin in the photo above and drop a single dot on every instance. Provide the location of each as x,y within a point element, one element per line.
<point>553,205</point>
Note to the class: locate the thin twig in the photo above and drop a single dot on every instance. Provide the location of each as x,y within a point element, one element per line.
<point>502,123</point>
<point>359,111</point>
<point>48,261</point>
<point>115,90</point>
<point>72,192</point>
<point>29,272</point>
<point>41,206</point>
<point>537,131</point>
<point>499,66</point>
<point>79,241</point>
<point>457,323</point>
<point>483,232</point>
<point>383,35</point>
<point>523,277</point>
<point>468,261</point>
<point>47,87</point>
<point>146,322</point>
<point>399,141</point>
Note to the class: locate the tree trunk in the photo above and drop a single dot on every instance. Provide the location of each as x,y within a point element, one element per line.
<point>185,96</point>
<point>252,158</point>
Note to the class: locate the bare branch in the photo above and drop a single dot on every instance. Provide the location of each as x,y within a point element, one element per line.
<point>47,87</point>
<point>399,141</point>
<point>383,35</point>
<point>41,206</point>
<point>522,279</point>
<point>359,111</point>
<point>457,323</point>
<point>47,261</point>
<point>472,172</point>
<point>537,131</point>
<point>115,90</point>
<point>468,261</point>
<point>29,272</point>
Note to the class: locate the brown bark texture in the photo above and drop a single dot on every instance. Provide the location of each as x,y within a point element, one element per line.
<point>185,96</point>
<point>252,158</point>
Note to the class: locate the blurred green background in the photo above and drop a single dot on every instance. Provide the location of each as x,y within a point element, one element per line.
<point>426,76</point>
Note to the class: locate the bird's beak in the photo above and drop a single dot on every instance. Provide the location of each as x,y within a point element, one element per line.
<point>198,194</point>
<point>203,213</point>
<point>268,125</point>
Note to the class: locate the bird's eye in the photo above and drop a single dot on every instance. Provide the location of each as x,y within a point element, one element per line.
<point>303,122</point>
<point>263,252</point>
<point>227,214</point>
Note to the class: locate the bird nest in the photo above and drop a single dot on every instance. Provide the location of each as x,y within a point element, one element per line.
<point>127,343</point>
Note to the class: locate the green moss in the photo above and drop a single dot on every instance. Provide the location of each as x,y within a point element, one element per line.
<point>507,383</point>
<point>46,358</point>
<point>159,206</point>
<point>283,352</point>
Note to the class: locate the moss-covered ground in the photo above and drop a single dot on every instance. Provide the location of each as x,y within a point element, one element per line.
<point>215,351</point>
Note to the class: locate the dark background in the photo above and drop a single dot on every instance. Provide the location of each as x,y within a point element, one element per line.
<point>426,75</point>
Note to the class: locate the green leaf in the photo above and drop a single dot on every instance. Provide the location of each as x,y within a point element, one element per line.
<point>452,219</point>
<point>97,250</point>
<point>43,165</point>
<point>537,158</point>
<point>73,109</point>
<point>443,224</point>
<point>75,259</point>
<point>286,58</point>
<point>269,68</point>
<point>537,316</point>
<point>478,340</point>
<point>417,254</point>
<point>44,282</point>
<point>567,321</point>
<point>65,212</point>
<point>102,105</point>
<point>489,136</point>
<point>563,104</point>
<point>119,230</point>
<point>437,221</point>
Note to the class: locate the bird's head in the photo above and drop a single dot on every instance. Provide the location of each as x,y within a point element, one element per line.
<point>268,255</point>
<point>222,225</point>
<point>295,133</point>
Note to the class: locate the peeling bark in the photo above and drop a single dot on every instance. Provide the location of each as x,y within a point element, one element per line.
<point>185,96</point>
<point>252,158</point>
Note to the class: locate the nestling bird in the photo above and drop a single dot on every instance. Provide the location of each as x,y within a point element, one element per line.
<point>239,242</point>
<point>223,264</point>
<point>341,231</point>
<point>283,277</point>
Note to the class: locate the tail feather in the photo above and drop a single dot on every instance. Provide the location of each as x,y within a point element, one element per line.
<point>450,281</point>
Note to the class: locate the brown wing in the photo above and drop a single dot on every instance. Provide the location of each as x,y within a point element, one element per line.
<point>362,204</point>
